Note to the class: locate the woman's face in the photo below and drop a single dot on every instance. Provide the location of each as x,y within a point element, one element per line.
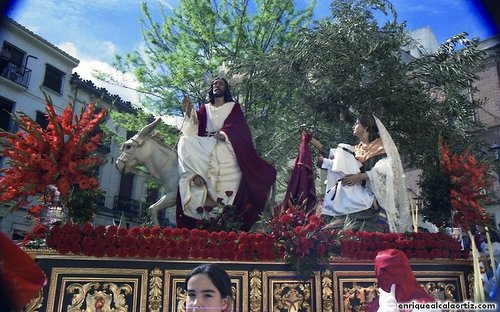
<point>358,130</point>
<point>203,296</point>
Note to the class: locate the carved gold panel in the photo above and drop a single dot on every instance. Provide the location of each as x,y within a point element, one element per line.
<point>175,295</point>
<point>285,292</point>
<point>91,289</point>
<point>35,304</point>
<point>354,290</point>
<point>444,286</point>
<point>327,290</point>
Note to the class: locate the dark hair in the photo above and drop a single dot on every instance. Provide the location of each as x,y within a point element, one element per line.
<point>368,122</point>
<point>227,92</point>
<point>217,276</point>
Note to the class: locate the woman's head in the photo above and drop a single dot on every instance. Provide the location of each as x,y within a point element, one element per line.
<point>220,88</point>
<point>208,289</point>
<point>369,125</point>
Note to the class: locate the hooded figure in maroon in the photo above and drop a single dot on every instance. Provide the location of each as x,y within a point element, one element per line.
<point>392,267</point>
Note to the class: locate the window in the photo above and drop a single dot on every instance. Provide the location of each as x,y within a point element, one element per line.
<point>6,107</point>
<point>126,185</point>
<point>15,55</point>
<point>53,78</point>
<point>41,119</point>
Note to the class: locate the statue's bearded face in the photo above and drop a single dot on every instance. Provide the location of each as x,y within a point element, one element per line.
<point>218,87</point>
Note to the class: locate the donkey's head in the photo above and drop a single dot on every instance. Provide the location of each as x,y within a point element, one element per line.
<point>134,151</point>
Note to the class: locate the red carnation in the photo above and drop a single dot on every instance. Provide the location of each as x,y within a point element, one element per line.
<point>87,228</point>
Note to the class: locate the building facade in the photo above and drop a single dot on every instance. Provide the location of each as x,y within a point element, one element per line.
<point>488,90</point>
<point>31,67</point>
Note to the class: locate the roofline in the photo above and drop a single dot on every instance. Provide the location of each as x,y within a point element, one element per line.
<point>103,92</point>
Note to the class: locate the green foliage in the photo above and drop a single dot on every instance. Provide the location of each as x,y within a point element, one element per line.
<point>348,64</point>
<point>83,205</point>
<point>197,37</point>
<point>436,188</point>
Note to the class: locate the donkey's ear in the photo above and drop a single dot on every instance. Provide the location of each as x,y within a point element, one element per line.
<point>148,128</point>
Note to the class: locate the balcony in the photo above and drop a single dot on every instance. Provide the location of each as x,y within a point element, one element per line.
<point>100,200</point>
<point>17,73</point>
<point>131,207</point>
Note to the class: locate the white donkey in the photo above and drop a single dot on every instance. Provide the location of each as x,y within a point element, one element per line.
<point>146,149</point>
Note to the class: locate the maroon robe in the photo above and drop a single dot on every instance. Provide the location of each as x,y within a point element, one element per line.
<point>301,185</point>
<point>257,175</point>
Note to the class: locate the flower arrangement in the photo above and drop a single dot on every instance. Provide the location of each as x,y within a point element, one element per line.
<point>63,155</point>
<point>468,179</point>
<point>303,238</point>
<point>222,217</point>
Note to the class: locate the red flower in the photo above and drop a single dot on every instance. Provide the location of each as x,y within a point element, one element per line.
<point>167,232</point>
<point>146,231</point>
<point>122,232</point>
<point>286,218</point>
<point>122,252</point>
<point>40,230</point>
<point>303,246</point>
<point>100,230</point>
<point>111,251</point>
<point>135,231</point>
<point>156,230</point>
<point>35,211</point>
<point>87,228</point>
<point>111,230</point>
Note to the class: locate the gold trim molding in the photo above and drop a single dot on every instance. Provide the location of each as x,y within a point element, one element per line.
<point>87,282</point>
<point>155,290</point>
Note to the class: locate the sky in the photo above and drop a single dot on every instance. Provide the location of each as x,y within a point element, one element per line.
<point>93,31</point>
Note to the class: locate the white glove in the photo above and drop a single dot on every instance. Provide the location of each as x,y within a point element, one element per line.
<point>387,300</point>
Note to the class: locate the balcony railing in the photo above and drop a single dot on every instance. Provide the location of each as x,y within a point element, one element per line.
<point>17,73</point>
<point>100,200</point>
<point>129,206</point>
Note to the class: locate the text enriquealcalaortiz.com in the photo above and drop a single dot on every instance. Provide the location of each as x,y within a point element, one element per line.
<point>467,305</point>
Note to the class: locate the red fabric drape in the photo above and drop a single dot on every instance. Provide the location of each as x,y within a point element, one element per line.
<point>301,185</point>
<point>20,276</point>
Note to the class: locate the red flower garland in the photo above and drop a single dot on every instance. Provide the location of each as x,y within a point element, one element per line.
<point>366,245</point>
<point>176,243</point>
<point>165,243</point>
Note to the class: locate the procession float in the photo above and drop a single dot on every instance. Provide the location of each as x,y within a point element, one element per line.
<point>293,261</point>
